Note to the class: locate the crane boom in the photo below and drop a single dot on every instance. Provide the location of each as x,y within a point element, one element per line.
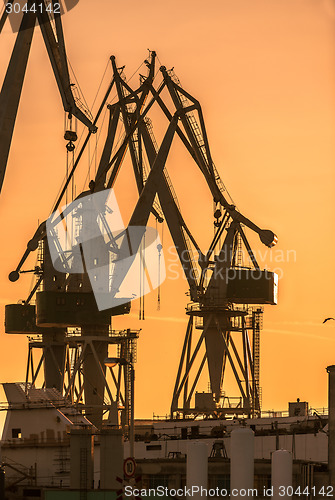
<point>12,87</point>
<point>13,82</point>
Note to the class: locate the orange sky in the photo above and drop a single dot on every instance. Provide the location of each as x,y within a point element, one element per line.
<point>264,74</point>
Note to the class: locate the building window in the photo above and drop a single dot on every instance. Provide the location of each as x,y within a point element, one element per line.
<point>36,492</point>
<point>262,481</point>
<point>152,447</point>
<point>155,481</point>
<point>221,481</point>
<point>16,434</point>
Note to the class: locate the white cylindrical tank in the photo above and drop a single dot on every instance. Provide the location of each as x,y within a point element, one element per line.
<point>111,459</point>
<point>281,474</point>
<point>242,463</point>
<point>81,459</point>
<point>331,424</point>
<point>197,468</point>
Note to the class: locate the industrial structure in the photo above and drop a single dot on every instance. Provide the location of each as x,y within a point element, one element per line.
<point>221,286</point>
<point>70,337</point>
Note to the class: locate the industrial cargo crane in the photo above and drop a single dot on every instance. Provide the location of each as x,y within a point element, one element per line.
<point>49,20</point>
<point>221,288</point>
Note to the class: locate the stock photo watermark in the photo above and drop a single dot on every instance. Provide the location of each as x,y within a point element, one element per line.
<point>196,491</point>
<point>88,237</point>
<point>274,259</point>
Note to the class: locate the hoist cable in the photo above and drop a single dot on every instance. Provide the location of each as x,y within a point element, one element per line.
<point>97,140</point>
<point>98,137</point>
<point>100,85</point>
<point>143,275</point>
<point>89,158</point>
<point>159,248</point>
<point>62,189</point>
<point>96,155</point>
<point>83,147</point>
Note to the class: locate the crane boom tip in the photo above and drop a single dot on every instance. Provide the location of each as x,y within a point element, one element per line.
<point>268,238</point>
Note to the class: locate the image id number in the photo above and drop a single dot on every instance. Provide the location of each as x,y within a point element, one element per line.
<point>324,491</point>
<point>17,8</point>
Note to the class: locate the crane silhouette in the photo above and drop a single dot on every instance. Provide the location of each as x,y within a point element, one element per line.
<point>327,319</point>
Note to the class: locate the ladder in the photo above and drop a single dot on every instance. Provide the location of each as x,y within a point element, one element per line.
<point>83,474</point>
<point>257,326</point>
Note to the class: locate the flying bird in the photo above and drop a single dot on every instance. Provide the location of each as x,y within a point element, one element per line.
<point>327,319</point>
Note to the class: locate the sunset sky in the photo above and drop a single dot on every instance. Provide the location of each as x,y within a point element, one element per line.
<point>264,73</point>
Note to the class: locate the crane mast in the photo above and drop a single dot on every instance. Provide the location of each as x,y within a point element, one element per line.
<point>224,315</point>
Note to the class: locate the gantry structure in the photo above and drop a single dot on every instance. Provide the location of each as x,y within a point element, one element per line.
<point>227,288</point>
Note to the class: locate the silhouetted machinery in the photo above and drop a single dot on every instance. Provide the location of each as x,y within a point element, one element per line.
<point>227,288</point>
<point>12,85</point>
